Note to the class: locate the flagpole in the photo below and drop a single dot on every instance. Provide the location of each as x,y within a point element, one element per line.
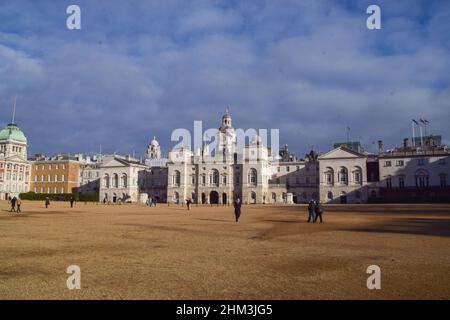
<point>421,136</point>
<point>413,134</point>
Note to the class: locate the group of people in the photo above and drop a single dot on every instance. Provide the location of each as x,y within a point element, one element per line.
<point>151,202</point>
<point>15,203</point>
<point>315,211</point>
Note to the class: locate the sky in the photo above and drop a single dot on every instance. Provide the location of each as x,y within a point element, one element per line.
<point>139,69</point>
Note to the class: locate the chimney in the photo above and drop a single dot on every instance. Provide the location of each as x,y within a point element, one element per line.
<point>405,143</point>
<point>380,146</point>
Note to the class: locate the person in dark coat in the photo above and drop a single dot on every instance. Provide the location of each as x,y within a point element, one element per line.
<point>13,204</point>
<point>237,208</point>
<point>311,207</point>
<point>319,211</point>
<point>188,204</point>
<point>72,200</point>
<point>47,202</point>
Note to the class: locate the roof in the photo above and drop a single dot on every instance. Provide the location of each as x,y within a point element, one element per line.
<point>12,132</point>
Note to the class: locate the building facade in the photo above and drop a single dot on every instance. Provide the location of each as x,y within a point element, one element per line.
<point>253,174</point>
<point>343,176</point>
<point>15,169</point>
<point>414,174</point>
<point>55,175</point>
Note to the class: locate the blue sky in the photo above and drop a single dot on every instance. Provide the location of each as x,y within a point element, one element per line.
<point>139,69</point>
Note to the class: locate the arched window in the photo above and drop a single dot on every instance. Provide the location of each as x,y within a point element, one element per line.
<point>176,178</point>
<point>357,175</point>
<point>422,178</point>
<point>343,175</point>
<point>252,177</point>
<point>214,178</point>
<point>115,180</point>
<point>106,181</point>
<point>124,180</point>
<point>329,176</point>
<point>443,180</point>
<point>330,195</point>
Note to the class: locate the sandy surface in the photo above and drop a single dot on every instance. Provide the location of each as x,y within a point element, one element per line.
<point>136,252</point>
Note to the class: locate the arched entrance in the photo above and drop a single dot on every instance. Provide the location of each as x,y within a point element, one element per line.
<point>203,198</point>
<point>252,197</point>
<point>343,198</point>
<point>224,198</point>
<point>213,197</point>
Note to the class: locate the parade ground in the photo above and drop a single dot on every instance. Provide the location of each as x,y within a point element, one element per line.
<point>136,252</point>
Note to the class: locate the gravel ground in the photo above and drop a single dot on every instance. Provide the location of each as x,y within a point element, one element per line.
<point>136,252</point>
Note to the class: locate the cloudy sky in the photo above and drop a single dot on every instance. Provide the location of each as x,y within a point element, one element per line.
<point>142,68</point>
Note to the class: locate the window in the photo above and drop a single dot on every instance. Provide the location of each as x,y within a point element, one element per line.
<point>56,166</point>
<point>176,179</point>
<point>443,180</point>
<point>252,177</point>
<point>62,178</point>
<point>288,168</point>
<point>343,175</point>
<point>422,178</point>
<point>400,163</point>
<point>56,178</point>
<point>56,190</point>
<point>329,195</point>
<point>49,167</point>
<point>62,189</point>
<point>214,177</point>
<point>401,181</point>
<point>329,176</point>
<point>389,182</point>
<point>35,178</point>
<point>42,178</point>
<point>48,190</point>
<point>193,180</point>
<point>357,175</point>
<point>387,163</point>
<point>49,178</point>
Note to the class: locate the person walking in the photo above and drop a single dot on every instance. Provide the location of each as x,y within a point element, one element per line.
<point>72,200</point>
<point>237,208</point>
<point>311,207</point>
<point>318,211</point>
<point>18,204</point>
<point>47,202</point>
<point>188,204</point>
<point>154,201</point>
<point>13,204</point>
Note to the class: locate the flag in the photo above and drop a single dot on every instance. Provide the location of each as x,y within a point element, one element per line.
<point>415,121</point>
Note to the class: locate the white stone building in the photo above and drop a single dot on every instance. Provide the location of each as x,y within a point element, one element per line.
<point>15,169</point>
<point>415,174</point>
<point>121,179</point>
<point>252,174</point>
<point>343,176</point>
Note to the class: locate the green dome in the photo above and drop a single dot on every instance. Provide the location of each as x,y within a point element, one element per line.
<point>12,132</point>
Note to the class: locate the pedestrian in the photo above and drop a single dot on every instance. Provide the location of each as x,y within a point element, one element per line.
<point>13,204</point>
<point>47,202</point>
<point>237,208</point>
<point>318,211</point>
<point>18,204</point>
<point>311,207</point>
<point>188,204</point>
<point>154,201</point>
<point>72,200</point>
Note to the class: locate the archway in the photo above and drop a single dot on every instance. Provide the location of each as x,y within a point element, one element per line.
<point>253,197</point>
<point>224,198</point>
<point>343,198</point>
<point>213,197</point>
<point>203,198</point>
